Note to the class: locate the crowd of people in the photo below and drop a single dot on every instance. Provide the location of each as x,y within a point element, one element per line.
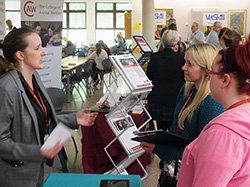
<point>201,93</point>
<point>211,110</point>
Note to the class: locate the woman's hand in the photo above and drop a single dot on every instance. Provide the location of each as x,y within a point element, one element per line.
<point>85,118</point>
<point>148,147</point>
<point>50,153</point>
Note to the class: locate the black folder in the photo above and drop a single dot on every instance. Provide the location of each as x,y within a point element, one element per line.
<point>161,137</point>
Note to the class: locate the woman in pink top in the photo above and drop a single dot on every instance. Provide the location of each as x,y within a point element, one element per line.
<point>220,156</point>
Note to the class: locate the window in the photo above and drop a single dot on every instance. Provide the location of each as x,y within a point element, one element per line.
<point>74,22</point>
<point>12,12</point>
<point>110,20</point>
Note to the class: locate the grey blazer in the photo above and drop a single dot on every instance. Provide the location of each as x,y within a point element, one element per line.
<point>19,133</point>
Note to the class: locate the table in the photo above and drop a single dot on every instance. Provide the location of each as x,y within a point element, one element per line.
<point>88,180</point>
<point>96,137</point>
<point>69,64</point>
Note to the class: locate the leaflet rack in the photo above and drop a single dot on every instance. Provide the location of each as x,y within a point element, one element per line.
<point>130,72</point>
<point>145,49</point>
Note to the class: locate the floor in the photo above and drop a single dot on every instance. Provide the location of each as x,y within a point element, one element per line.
<point>74,159</point>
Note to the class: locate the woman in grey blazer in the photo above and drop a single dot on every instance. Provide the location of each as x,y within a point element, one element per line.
<point>27,114</point>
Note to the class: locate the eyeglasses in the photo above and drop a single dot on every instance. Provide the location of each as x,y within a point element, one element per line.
<point>209,73</point>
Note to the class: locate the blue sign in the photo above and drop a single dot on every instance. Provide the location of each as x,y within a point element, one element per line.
<point>159,15</point>
<point>215,17</point>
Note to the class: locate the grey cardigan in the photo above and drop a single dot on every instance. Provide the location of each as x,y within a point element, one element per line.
<point>19,133</point>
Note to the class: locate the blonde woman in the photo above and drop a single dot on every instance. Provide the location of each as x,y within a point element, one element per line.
<point>195,106</point>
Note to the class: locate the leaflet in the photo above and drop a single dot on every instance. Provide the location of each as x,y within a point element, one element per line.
<point>61,133</point>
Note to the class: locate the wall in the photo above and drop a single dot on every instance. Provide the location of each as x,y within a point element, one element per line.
<point>187,11</point>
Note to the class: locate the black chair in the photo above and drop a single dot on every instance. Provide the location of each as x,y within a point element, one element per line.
<point>75,81</point>
<point>107,69</point>
<point>57,97</point>
<point>87,76</point>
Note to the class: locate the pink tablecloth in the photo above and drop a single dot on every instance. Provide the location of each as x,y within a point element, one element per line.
<point>95,138</point>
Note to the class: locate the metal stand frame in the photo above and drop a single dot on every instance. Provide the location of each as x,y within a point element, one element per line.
<point>120,168</point>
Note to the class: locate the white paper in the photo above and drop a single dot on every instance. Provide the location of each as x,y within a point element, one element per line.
<point>125,128</point>
<point>131,71</point>
<point>61,133</point>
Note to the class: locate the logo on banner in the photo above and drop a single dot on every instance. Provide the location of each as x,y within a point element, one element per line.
<point>29,8</point>
<point>215,17</point>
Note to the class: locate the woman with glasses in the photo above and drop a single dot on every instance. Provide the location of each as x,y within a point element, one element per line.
<point>194,106</point>
<point>220,155</point>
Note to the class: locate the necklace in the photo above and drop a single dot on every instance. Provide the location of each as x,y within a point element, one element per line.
<point>239,103</point>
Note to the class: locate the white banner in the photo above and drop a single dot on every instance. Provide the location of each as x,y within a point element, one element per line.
<point>45,10</point>
<point>45,17</point>
<point>51,73</point>
<point>209,18</point>
<point>2,19</point>
<point>160,17</point>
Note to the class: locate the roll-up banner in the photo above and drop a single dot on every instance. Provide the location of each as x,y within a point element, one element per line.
<point>45,17</point>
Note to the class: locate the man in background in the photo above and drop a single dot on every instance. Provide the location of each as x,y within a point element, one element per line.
<point>196,36</point>
<point>213,35</point>
<point>10,25</point>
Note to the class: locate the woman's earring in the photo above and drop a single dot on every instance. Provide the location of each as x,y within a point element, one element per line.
<point>22,66</point>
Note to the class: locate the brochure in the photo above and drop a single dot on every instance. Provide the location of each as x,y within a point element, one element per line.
<point>125,129</point>
<point>61,133</point>
<point>133,74</point>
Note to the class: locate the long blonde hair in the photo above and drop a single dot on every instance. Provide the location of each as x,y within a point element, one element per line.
<point>203,54</point>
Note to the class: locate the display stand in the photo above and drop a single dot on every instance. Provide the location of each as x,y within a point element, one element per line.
<point>145,49</point>
<point>119,119</point>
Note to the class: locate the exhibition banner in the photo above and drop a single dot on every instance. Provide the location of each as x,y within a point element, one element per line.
<point>209,18</point>
<point>45,17</point>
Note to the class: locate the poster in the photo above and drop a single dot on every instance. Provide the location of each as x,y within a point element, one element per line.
<point>237,21</point>
<point>45,17</point>
<point>209,18</point>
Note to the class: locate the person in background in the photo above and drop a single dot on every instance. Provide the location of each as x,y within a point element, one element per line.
<point>169,22</point>
<point>68,48</point>
<point>105,47</point>
<point>67,42</point>
<point>98,55</point>
<point>37,28</point>
<point>206,33</point>
<point>182,45</point>
<point>228,38</point>
<point>212,38</point>
<point>10,25</point>
<point>164,70</point>
<point>194,106</point>
<point>196,36</point>
<point>220,155</point>
<point>120,44</point>
<point>27,114</point>
<point>158,32</point>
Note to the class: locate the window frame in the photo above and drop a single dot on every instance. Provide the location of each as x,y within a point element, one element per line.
<point>68,11</point>
<point>114,11</point>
